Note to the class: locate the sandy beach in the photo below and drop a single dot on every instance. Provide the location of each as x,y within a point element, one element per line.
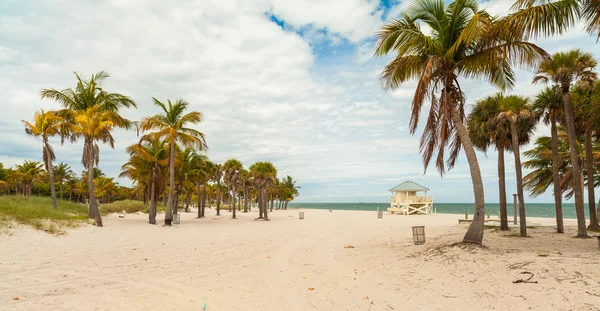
<point>292,264</point>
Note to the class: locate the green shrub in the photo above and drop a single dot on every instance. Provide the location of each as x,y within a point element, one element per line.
<point>129,206</point>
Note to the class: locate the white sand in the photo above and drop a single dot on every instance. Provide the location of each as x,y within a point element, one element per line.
<point>253,265</point>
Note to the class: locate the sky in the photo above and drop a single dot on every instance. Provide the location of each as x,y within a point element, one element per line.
<point>291,82</point>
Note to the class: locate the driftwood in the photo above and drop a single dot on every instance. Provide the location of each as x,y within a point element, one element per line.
<point>526,281</point>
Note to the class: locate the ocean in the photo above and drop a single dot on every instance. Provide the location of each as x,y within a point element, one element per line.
<point>531,209</point>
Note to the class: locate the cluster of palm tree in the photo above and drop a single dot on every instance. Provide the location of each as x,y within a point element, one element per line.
<point>468,42</point>
<point>32,178</point>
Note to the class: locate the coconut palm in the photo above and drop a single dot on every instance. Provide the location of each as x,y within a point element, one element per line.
<point>547,17</point>
<point>541,163</point>
<point>27,173</point>
<point>465,42</point>
<point>550,106</point>
<point>45,125</point>
<point>292,190</point>
<point>563,70</point>
<point>513,110</point>
<point>485,131</point>
<point>203,176</point>
<point>172,125</point>
<point>263,175</point>
<point>3,177</point>
<point>62,173</point>
<point>232,169</point>
<point>585,97</point>
<point>147,163</point>
<point>91,113</point>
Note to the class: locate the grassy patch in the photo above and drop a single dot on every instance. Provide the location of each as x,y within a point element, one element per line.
<point>129,206</point>
<point>543,255</point>
<point>38,213</point>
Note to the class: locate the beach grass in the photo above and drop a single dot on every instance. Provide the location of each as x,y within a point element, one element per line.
<point>129,206</point>
<point>38,212</point>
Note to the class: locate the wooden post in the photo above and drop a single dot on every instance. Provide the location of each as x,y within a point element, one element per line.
<point>515,203</point>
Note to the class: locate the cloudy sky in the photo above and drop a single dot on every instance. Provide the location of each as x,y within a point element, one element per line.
<point>292,82</point>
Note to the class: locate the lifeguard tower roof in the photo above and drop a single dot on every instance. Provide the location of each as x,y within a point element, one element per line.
<point>409,186</point>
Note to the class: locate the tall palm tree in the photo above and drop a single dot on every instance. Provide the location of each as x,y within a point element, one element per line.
<point>563,70</point>
<point>245,183</point>
<point>62,173</point>
<point>465,42</point>
<point>203,176</point>
<point>232,169</point>
<point>91,113</point>
<point>550,106</point>
<point>172,125</point>
<point>290,184</point>
<point>263,175</point>
<point>585,98</point>
<point>45,125</point>
<point>485,131</point>
<point>513,110</point>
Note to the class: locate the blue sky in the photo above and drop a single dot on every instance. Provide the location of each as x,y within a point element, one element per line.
<point>292,82</point>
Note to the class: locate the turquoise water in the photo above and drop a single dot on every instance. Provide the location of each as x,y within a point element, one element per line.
<point>532,209</point>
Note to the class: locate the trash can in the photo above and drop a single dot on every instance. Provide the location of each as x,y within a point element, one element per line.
<point>419,234</point>
<point>330,210</point>
<point>380,214</point>
<point>301,215</point>
<point>176,219</point>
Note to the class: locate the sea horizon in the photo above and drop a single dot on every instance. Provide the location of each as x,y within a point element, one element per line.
<point>545,210</point>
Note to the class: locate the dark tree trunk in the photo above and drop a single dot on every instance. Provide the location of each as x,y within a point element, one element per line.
<point>589,160</point>
<point>203,199</point>
<point>260,204</point>
<point>233,197</point>
<point>555,177</point>
<point>475,232</point>
<point>199,201</point>
<point>577,189</point>
<point>517,153</point>
<point>265,204</point>
<point>169,211</point>
<point>94,211</point>
<point>219,197</point>
<point>245,199</point>
<point>153,199</point>
<point>50,173</point>
<point>502,189</point>
<point>285,205</point>
<point>187,202</point>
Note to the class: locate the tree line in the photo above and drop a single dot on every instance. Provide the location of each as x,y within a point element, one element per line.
<point>168,162</point>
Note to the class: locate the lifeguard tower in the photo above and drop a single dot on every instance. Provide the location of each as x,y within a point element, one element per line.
<point>405,201</point>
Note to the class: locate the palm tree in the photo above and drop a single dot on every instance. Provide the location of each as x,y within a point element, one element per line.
<point>245,183</point>
<point>203,176</point>
<point>485,131</point>
<point>263,175</point>
<point>62,173</point>
<point>232,169</point>
<point>549,105</point>
<point>541,163</point>
<point>547,18</point>
<point>27,173</point>
<point>563,70</point>
<point>172,125</point>
<point>584,98</point>
<point>513,110</point>
<point>45,125</point>
<point>292,190</point>
<point>91,113</point>
<point>465,42</point>
<point>3,177</point>
<point>147,162</point>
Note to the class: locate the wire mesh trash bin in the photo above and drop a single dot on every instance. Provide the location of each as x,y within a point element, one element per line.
<point>379,214</point>
<point>301,215</point>
<point>176,219</point>
<point>419,235</point>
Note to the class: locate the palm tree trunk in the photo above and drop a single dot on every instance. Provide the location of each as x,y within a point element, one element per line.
<point>204,199</point>
<point>589,160</point>
<point>260,204</point>
<point>245,199</point>
<point>265,206</point>
<point>285,205</point>
<point>199,200</point>
<point>502,189</point>
<point>555,177</point>
<point>475,232</point>
<point>169,211</point>
<point>50,173</point>
<point>233,197</point>
<point>177,196</point>
<point>218,197</point>
<point>152,211</point>
<point>570,120</point>
<point>517,153</point>
<point>92,199</point>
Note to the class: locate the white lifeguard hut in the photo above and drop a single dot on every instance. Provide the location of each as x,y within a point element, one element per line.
<point>405,201</point>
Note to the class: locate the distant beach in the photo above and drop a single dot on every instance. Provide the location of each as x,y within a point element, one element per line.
<point>544,210</point>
